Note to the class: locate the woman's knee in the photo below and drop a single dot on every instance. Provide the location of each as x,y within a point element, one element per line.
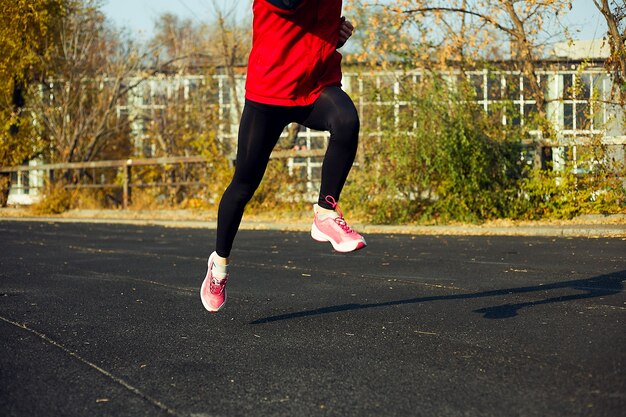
<point>345,125</point>
<point>239,193</point>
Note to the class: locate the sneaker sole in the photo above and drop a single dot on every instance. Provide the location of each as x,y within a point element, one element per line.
<point>204,289</point>
<point>344,247</point>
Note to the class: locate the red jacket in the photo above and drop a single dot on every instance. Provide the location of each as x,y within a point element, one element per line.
<point>294,52</point>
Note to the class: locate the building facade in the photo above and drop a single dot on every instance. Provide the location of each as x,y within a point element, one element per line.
<point>578,96</point>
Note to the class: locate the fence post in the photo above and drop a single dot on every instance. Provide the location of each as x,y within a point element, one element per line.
<point>126,187</point>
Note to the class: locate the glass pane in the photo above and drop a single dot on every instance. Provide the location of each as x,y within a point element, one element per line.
<point>583,87</point>
<point>369,118</point>
<point>318,142</point>
<point>514,115</point>
<point>495,113</point>
<point>299,172</point>
<point>386,114</point>
<point>512,87</point>
<point>582,116</point>
<point>370,91</point>
<point>544,83</point>
<point>568,90</point>
<point>385,84</point>
<point>601,87</point>
<point>526,90</point>
<point>494,87</point>
<point>530,113</point>
<point>568,116</point>
<point>477,81</point>
<point>598,116</point>
<point>26,182</point>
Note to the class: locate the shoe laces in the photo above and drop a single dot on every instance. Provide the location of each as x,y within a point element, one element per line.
<point>218,286</point>
<point>339,220</point>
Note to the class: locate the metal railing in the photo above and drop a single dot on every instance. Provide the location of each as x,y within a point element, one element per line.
<point>126,167</point>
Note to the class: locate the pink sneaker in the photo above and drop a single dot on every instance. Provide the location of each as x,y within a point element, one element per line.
<point>333,228</point>
<point>213,291</point>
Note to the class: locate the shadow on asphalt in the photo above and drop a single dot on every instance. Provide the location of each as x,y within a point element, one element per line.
<point>600,286</point>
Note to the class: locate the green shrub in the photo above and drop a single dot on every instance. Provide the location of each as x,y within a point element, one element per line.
<point>592,184</point>
<point>455,164</point>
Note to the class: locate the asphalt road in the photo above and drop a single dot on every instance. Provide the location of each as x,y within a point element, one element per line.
<point>106,320</point>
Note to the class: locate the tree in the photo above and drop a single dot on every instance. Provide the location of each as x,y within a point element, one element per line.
<point>233,45</point>
<point>615,17</point>
<point>78,104</point>
<point>462,32</point>
<point>223,42</point>
<point>179,44</point>
<point>27,29</point>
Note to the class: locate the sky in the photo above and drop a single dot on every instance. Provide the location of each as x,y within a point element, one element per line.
<point>584,21</point>
<point>139,15</point>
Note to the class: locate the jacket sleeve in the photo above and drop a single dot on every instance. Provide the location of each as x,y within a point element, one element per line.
<point>285,6</point>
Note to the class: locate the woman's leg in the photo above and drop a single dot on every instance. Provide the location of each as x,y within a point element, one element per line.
<point>335,112</point>
<point>259,130</point>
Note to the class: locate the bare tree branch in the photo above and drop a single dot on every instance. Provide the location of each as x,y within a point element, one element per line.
<point>486,18</point>
<point>617,61</point>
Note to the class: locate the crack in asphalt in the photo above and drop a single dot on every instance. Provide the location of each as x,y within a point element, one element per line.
<point>92,365</point>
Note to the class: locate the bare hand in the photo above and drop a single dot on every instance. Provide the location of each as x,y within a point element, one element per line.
<point>345,31</point>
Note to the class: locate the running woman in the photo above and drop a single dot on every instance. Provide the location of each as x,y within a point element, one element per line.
<point>294,75</point>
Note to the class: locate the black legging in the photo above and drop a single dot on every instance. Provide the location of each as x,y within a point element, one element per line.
<point>260,129</point>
